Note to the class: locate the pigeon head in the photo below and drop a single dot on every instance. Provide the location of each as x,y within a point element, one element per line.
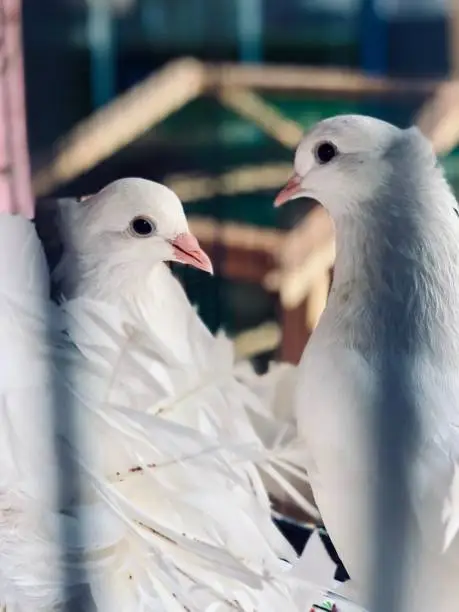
<point>343,160</point>
<point>123,232</point>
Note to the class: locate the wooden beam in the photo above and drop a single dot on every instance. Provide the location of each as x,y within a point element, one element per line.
<point>294,284</point>
<point>314,231</point>
<point>120,122</point>
<point>295,334</point>
<point>238,235</point>
<point>307,253</point>
<point>265,337</point>
<point>438,119</point>
<point>240,252</point>
<point>245,179</point>
<point>134,112</point>
<point>251,106</point>
<point>306,79</point>
<point>317,300</point>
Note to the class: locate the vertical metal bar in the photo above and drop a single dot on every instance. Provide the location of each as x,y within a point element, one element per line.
<point>395,437</point>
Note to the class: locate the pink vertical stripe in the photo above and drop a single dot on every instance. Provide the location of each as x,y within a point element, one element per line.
<point>15,184</point>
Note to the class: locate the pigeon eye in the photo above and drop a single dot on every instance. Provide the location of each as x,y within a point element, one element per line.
<point>325,152</point>
<point>142,226</point>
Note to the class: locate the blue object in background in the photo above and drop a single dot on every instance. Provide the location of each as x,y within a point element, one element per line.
<point>373,32</point>
<point>250,30</point>
<point>101,43</point>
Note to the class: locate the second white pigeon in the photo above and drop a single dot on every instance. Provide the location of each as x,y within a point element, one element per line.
<point>385,357</point>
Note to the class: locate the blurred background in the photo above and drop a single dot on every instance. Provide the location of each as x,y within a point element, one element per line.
<point>211,97</point>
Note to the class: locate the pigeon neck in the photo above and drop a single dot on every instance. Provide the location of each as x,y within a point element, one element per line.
<point>156,303</point>
<point>163,308</point>
<point>153,298</point>
<point>117,287</point>
<point>396,270</point>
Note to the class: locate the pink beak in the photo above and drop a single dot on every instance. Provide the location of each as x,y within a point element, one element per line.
<point>291,189</point>
<point>187,251</point>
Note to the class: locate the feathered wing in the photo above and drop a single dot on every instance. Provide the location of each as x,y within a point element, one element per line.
<point>169,447</point>
<point>268,399</point>
<point>273,417</point>
<point>169,517</point>
<point>171,512</point>
<point>261,406</point>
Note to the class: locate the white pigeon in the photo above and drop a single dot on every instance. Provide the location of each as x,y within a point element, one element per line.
<point>151,541</point>
<point>171,513</point>
<point>94,264</point>
<point>385,354</point>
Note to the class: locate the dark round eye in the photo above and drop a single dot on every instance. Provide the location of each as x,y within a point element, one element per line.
<point>141,226</point>
<point>325,152</point>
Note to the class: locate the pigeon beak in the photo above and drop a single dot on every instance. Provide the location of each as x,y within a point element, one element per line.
<point>291,190</point>
<point>187,251</point>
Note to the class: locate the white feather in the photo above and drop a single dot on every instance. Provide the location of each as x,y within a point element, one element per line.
<point>172,513</point>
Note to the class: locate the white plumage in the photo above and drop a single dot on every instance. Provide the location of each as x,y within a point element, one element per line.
<point>389,336</point>
<point>148,291</point>
<point>129,388</point>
